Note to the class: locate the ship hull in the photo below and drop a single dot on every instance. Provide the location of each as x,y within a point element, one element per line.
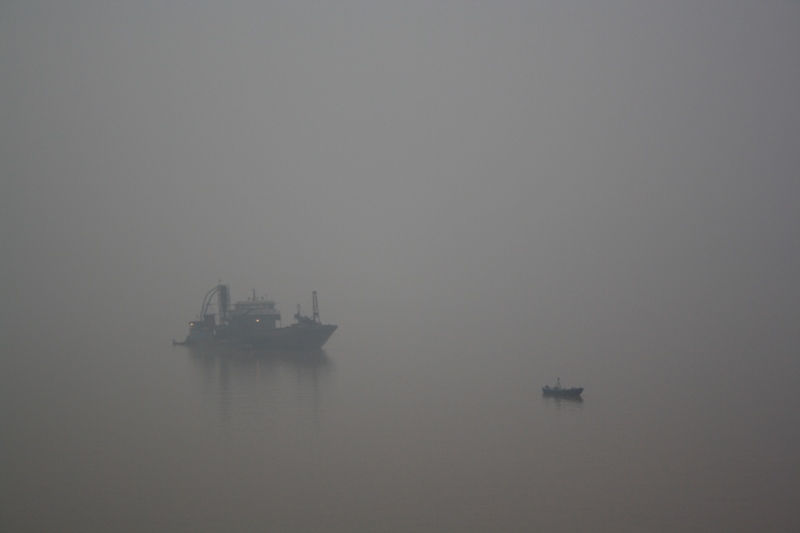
<point>291,338</point>
<point>568,393</point>
<point>295,337</point>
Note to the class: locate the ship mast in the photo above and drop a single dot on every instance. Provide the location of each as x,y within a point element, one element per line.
<point>316,306</point>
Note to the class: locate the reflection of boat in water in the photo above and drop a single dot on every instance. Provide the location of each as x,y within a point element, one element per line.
<point>252,387</point>
<point>560,391</point>
<point>254,323</point>
<point>244,357</point>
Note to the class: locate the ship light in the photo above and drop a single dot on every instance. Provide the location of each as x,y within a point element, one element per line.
<point>258,320</point>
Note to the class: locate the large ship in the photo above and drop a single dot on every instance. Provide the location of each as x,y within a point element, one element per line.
<point>255,323</point>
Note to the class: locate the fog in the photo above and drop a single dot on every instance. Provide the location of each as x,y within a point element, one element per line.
<point>591,167</point>
<point>591,180</point>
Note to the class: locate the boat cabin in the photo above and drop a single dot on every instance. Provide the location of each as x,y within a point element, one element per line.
<point>255,314</point>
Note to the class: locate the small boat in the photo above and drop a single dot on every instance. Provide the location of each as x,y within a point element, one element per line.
<point>558,390</point>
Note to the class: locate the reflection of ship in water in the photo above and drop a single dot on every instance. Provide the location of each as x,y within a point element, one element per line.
<point>251,387</point>
<point>568,403</point>
<point>565,399</point>
<point>255,323</point>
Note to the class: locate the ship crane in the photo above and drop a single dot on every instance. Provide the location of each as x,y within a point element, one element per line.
<point>314,319</point>
<point>223,302</point>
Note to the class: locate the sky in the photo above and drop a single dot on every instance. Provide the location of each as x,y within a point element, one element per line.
<point>466,172</point>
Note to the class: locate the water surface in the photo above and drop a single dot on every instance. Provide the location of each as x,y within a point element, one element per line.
<point>151,437</point>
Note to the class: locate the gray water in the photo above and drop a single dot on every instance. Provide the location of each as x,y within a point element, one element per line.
<point>144,436</point>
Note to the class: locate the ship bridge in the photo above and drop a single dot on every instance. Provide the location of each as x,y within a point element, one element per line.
<point>255,313</point>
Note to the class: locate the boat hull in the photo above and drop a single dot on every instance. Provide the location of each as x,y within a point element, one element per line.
<point>576,391</point>
<point>295,337</point>
<point>292,338</point>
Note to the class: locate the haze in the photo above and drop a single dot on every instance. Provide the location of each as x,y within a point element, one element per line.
<point>597,183</point>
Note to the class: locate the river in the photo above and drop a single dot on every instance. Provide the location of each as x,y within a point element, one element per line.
<point>147,436</point>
